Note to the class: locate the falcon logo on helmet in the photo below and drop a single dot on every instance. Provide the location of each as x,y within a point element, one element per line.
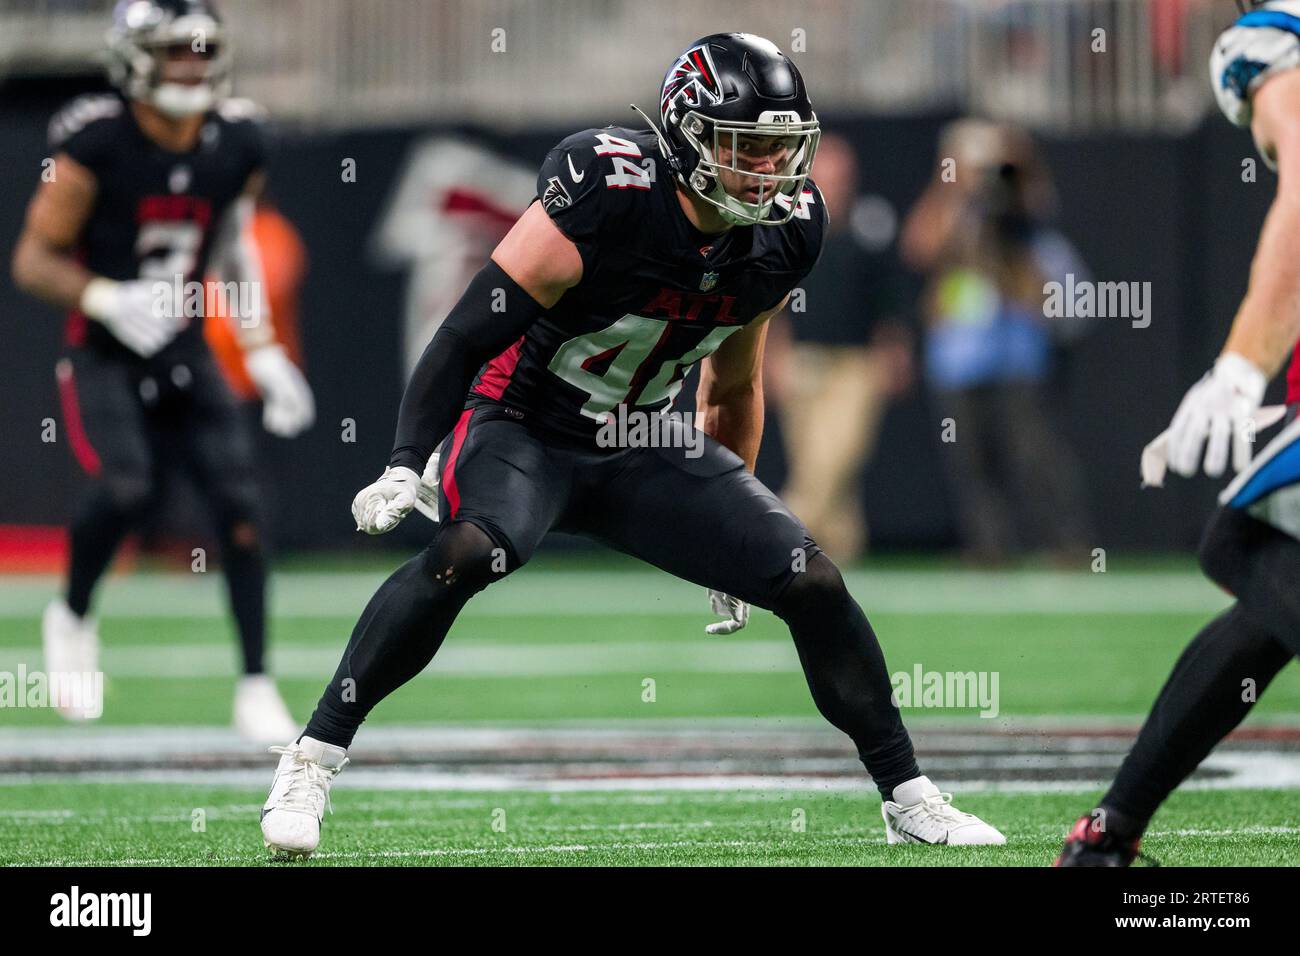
<point>738,129</point>
<point>171,54</point>
<point>690,81</point>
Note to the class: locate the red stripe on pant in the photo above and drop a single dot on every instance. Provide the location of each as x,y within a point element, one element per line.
<point>500,370</point>
<point>82,449</point>
<point>449,466</point>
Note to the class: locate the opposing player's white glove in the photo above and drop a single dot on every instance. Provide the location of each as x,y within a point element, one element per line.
<point>1216,412</point>
<point>733,609</point>
<point>287,403</point>
<point>126,309</point>
<point>379,507</point>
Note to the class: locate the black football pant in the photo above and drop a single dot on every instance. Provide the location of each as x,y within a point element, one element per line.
<point>1223,670</point>
<point>705,519</point>
<point>127,423</point>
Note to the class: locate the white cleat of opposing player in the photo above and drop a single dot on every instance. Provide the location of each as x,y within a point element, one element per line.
<point>919,813</point>
<point>299,796</point>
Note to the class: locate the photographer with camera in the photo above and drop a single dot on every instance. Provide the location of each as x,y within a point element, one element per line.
<point>981,234</point>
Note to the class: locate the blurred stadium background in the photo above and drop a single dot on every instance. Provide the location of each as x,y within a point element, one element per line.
<point>444,111</point>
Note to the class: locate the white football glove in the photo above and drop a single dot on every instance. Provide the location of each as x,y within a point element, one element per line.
<point>733,609</point>
<point>126,309</point>
<point>1216,412</point>
<point>287,403</point>
<point>426,499</point>
<point>379,507</point>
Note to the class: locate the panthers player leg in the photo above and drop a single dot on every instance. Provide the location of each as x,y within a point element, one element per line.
<point>1250,547</point>
<point>139,388</point>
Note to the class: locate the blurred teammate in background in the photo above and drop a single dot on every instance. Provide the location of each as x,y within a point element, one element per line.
<point>150,186</point>
<point>1250,547</point>
<point>644,253</point>
<point>849,355</point>
<point>980,233</point>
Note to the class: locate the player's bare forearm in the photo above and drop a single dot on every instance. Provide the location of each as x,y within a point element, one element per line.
<point>1268,322</point>
<point>43,264</point>
<point>736,421</point>
<point>729,402</point>
<point>49,274</point>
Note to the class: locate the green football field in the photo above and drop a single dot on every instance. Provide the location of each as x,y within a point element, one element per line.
<point>579,715</point>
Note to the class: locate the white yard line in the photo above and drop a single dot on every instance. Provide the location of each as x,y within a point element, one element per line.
<point>650,592</point>
<point>455,659</point>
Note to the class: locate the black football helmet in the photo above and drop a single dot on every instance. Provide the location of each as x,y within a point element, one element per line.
<point>141,34</point>
<point>731,85</point>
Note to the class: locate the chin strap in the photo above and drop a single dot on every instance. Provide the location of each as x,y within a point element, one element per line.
<point>665,147</point>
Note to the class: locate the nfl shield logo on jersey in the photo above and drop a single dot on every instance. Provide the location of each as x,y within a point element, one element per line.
<point>708,281</point>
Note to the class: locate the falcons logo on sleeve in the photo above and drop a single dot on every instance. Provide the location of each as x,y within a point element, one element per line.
<point>556,196</point>
<point>691,79</point>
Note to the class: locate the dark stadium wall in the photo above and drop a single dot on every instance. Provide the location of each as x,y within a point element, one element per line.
<point>1169,210</point>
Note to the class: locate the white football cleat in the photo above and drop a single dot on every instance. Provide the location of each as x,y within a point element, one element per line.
<point>260,714</point>
<point>919,813</point>
<point>299,795</point>
<point>71,646</point>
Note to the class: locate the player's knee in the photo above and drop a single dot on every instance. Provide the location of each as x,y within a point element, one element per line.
<point>1223,545</point>
<point>243,536</point>
<point>128,494</point>
<point>237,516</point>
<point>817,587</point>
<point>464,558</point>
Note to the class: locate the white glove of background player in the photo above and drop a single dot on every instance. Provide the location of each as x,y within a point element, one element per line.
<point>287,403</point>
<point>379,507</point>
<point>126,309</point>
<point>1217,411</point>
<point>733,609</point>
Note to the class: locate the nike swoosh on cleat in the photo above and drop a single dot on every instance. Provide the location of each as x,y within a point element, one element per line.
<point>916,836</point>
<point>573,172</point>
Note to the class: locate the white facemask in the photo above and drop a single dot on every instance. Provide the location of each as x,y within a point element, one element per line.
<point>178,100</point>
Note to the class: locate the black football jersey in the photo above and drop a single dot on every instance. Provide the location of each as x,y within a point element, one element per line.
<point>156,212</point>
<point>656,294</point>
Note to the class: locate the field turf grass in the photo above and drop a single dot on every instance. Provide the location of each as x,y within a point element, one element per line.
<point>131,824</point>
<point>576,641</point>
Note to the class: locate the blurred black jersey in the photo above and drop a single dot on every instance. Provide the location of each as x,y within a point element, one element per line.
<point>656,294</point>
<point>156,212</point>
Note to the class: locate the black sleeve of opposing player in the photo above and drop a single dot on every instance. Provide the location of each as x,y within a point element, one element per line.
<point>492,314</point>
